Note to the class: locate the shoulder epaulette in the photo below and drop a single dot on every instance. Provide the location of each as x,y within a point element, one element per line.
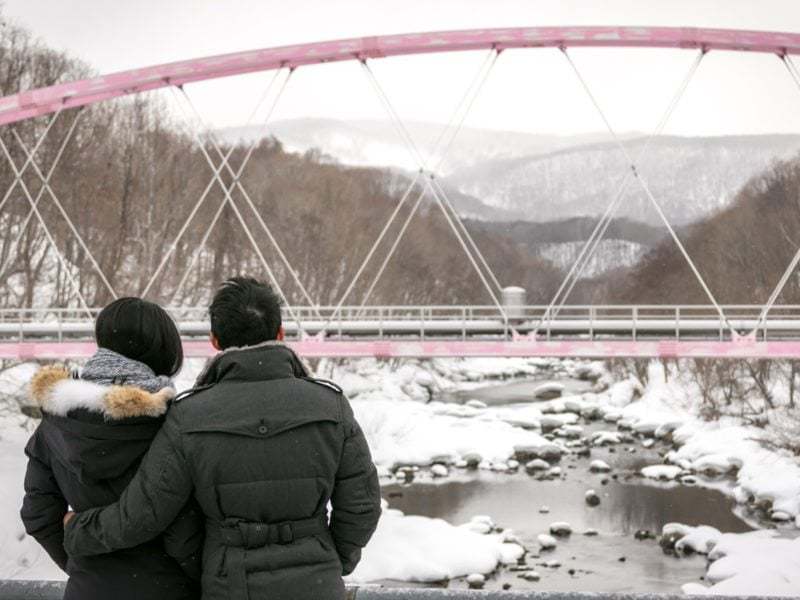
<point>190,392</point>
<point>325,383</point>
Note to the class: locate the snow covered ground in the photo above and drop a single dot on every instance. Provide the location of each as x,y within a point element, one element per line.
<point>755,563</point>
<point>412,436</point>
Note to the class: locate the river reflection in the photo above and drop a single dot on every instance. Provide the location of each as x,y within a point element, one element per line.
<point>515,501</point>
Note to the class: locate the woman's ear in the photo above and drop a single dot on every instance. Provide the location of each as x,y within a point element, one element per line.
<point>281,334</point>
<point>215,342</point>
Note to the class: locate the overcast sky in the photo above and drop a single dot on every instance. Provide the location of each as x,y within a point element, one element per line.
<point>529,90</point>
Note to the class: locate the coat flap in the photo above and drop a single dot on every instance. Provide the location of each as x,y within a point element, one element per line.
<point>261,427</point>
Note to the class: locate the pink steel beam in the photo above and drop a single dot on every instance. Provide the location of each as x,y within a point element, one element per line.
<point>432,349</point>
<point>33,103</point>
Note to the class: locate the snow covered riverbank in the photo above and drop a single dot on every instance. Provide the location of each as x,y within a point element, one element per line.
<point>413,437</point>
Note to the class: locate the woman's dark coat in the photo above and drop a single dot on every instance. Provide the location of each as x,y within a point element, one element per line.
<point>83,454</point>
<point>264,449</point>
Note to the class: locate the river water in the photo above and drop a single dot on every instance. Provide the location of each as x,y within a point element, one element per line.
<point>614,560</point>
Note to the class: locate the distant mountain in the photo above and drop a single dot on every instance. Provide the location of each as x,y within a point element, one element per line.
<point>690,177</point>
<point>376,143</point>
<point>508,175</point>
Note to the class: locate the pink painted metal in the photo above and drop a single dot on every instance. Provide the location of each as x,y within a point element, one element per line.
<point>314,348</point>
<point>32,103</point>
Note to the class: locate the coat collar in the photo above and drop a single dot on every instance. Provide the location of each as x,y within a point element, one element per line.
<point>261,362</point>
<point>57,393</point>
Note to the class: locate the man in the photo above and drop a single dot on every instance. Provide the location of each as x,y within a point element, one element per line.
<point>264,448</point>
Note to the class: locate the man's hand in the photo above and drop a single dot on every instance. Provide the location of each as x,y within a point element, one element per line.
<point>68,517</point>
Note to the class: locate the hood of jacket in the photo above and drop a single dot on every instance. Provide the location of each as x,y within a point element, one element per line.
<point>97,431</point>
<point>261,362</point>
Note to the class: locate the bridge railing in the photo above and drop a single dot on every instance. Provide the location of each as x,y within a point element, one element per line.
<point>583,322</point>
<point>54,590</point>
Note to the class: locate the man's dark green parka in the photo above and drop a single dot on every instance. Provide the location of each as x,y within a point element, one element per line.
<point>264,449</point>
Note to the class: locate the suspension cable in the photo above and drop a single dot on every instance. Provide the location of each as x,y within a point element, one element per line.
<point>650,196</point>
<point>48,235</point>
<point>46,186</point>
<point>248,233</point>
<point>389,254</point>
<point>792,68</point>
<point>255,142</point>
<point>478,80</point>
<point>248,200</point>
<point>415,153</point>
<point>56,161</point>
<point>27,162</point>
<point>174,245</point>
<point>591,245</point>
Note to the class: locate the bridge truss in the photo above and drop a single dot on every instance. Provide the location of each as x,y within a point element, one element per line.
<point>363,330</point>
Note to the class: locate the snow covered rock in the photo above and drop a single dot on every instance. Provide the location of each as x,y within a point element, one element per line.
<point>662,472</point>
<point>439,470</point>
<point>543,449</point>
<point>475,404</point>
<point>755,563</point>
<point>551,389</point>
<point>599,466</point>
<point>536,465</point>
<point>605,438</point>
<point>546,542</point>
<point>476,581</point>
<point>592,498</point>
<point>414,548</point>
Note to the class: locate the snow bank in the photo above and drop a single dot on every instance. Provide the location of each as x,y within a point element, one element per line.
<point>419,380</point>
<point>412,548</point>
<point>763,475</point>
<point>668,406</point>
<point>755,563</point>
<point>21,557</point>
<point>411,433</point>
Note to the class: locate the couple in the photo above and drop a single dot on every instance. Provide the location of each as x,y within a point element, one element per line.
<point>233,479</point>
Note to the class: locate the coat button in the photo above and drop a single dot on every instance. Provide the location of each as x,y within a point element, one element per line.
<point>262,429</point>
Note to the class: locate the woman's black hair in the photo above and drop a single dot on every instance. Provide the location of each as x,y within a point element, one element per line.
<point>143,331</point>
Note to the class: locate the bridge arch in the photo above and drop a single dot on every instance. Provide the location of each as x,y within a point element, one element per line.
<point>44,101</point>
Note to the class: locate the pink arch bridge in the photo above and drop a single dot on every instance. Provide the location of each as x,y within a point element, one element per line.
<point>342,330</point>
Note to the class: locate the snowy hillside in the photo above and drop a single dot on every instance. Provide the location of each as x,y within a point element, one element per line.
<point>546,177</point>
<point>690,177</point>
<point>610,254</point>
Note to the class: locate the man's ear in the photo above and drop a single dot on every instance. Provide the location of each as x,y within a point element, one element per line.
<point>281,334</point>
<point>215,342</point>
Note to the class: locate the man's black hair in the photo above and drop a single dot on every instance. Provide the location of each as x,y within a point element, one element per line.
<point>143,331</point>
<point>245,312</point>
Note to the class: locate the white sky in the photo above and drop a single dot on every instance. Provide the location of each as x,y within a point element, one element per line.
<point>529,90</point>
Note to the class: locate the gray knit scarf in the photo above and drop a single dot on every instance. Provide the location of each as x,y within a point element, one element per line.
<point>107,367</point>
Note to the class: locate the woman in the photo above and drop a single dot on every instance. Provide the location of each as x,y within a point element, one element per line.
<point>95,429</point>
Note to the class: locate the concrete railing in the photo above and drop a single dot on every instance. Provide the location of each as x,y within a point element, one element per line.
<point>54,590</point>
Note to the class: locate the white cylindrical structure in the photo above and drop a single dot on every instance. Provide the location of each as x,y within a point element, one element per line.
<point>514,301</point>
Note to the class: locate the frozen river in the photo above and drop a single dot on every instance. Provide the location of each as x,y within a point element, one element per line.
<point>613,560</point>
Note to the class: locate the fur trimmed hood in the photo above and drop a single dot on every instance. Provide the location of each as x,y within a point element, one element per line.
<point>57,393</point>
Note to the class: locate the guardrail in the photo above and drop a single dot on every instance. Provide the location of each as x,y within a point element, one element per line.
<point>584,322</point>
<point>54,590</point>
